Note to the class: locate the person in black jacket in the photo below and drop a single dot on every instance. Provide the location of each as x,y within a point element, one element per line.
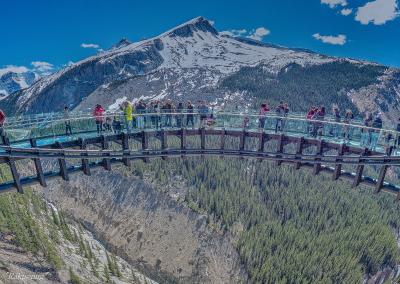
<point>190,116</point>
<point>335,132</point>
<point>376,125</point>
<point>397,141</point>
<point>280,113</point>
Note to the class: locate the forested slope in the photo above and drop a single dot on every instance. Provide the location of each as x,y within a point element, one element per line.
<point>302,87</point>
<point>291,227</point>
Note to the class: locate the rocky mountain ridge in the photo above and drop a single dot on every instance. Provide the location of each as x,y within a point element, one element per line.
<point>184,63</point>
<point>13,79</point>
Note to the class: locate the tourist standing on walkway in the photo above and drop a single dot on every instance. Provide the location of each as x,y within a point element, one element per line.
<point>164,110</point>
<point>310,116</point>
<point>127,108</point>
<point>157,110</point>
<point>190,116</point>
<point>2,120</point>
<point>108,125</point>
<point>173,113</point>
<point>285,114</point>
<point>203,112</point>
<point>154,116</point>
<point>179,116</point>
<point>168,113</point>
<point>262,115</point>
<point>67,122</point>
<point>98,114</point>
<point>347,121</point>
<point>366,131</point>
<point>280,112</point>
<point>336,118</point>
<point>140,110</point>
<point>397,142</point>
<point>377,126</point>
<point>319,126</point>
<point>117,127</point>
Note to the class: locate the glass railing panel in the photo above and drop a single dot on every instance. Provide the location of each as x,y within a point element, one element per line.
<point>53,125</point>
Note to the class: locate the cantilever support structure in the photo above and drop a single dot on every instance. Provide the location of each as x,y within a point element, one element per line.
<point>38,165</point>
<point>318,162</point>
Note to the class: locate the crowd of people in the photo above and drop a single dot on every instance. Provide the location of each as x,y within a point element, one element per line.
<point>160,114</point>
<point>166,113</point>
<point>340,128</point>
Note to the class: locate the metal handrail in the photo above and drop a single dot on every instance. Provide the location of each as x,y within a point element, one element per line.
<point>57,120</point>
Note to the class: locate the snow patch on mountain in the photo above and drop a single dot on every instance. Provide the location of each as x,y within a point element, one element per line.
<point>15,78</point>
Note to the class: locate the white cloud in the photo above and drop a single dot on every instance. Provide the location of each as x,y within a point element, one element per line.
<point>256,34</point>
<point>377,12</point>
<point>346,12</point>
<point>259,33</point>
<point>90,45</point>
<point>336,40</point>
<point>13,68</point>
<point>241,32</point>
<point>333,3</point>
<point>42,65</point>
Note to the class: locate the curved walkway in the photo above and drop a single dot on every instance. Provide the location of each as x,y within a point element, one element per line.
<point>324,146</point>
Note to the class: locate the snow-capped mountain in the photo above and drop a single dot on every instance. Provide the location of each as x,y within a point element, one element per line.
<point>14,78</point>
<point>188,62</point>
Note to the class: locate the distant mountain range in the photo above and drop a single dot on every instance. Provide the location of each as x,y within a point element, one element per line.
<point>194,61</point>
<point>13,79</point>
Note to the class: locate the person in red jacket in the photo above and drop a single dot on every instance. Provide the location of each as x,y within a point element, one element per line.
<point>262,115</point>
<point>98,114</point>
<point>2,117</point>
<point>2,120</point>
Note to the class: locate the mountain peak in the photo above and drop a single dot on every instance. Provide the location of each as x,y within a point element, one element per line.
<point>122,43</point>
<point>189,28</point>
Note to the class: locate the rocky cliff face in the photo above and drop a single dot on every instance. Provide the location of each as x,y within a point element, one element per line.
<point>150,227</point>
<point>39,244</point>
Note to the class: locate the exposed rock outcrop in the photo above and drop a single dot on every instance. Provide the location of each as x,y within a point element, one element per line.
<point>149,228</point>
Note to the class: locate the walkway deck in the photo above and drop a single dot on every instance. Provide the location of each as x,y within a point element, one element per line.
<point>323,146</point>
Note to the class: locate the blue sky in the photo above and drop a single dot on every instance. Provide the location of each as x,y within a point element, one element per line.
<point>48,31</point>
